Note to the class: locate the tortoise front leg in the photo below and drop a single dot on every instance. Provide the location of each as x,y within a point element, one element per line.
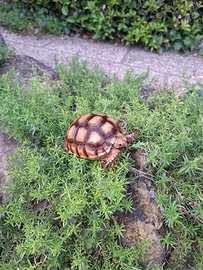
<point>130,137</point>
<point>112,158</point>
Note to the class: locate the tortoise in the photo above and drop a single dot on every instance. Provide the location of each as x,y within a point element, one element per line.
<point>97,137</point>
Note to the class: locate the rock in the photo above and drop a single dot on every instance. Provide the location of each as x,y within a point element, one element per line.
<point>38,206</point>
<point>2,41</point>
<point>77,35</point>
<point>139,158</point>
<point>7,148</point>
<point>146,91</point>
<point>85,36</point>
<point>144,223</point>
<point>23,66</point>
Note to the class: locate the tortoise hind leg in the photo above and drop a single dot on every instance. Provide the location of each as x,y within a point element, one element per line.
<point>112,158</point>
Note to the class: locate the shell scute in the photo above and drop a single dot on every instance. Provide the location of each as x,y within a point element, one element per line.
<point>71,134</point>
<point>91,152</point>
<point>101,152</point>
<point>70,148</point>
<point>82,152</point>
<point>115,124</point>
<point>81,135</point>
<point>107,147</point>
<point>81,121</point>
<point>74,149</point>
<point>95,122</point>
<point>112,121</point>
<point>95,139</point>
<point>107,129</point>
<point>111,139</point>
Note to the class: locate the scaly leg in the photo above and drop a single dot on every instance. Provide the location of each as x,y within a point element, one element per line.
<point>130,137</point>
<point>112,158</point>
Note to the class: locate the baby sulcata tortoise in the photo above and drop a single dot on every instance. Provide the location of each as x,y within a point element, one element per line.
<point>97,136</point>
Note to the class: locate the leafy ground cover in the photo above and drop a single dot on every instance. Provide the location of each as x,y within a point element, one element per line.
<point>35,20</point>
<point>5,53</point>
<point>76,230</point>
<point>156,25</point>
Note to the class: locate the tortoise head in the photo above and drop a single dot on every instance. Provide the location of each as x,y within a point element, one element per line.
<point>120,142</point>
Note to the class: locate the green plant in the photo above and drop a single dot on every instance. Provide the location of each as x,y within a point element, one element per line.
<point>35,20</point>
<point>76,229</point>
<point>5,53</point>
<point>160,25</point>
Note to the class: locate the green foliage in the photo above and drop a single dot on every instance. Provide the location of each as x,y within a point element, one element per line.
<point>175,25</point>
<point>35,20</point>
<point>200,51</point>
<point>5,53</point>
<point>76,228</point>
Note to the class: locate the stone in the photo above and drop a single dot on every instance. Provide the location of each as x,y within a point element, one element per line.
<point>2,41</point>
<point>24,65</point>
<point>139,158</point>
<point>77,35</point>
<point>7,148</point>
<point>144,223</point>
<point>85,36</point>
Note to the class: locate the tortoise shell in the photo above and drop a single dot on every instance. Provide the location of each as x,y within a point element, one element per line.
<point>96,136</point>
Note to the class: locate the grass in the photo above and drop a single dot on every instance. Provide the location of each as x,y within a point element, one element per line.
<point>76,229</point>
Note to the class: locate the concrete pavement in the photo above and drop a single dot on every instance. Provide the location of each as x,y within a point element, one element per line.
<point>114,58</point>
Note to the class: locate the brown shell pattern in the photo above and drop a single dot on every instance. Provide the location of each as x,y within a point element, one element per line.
<point>91,136</point>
